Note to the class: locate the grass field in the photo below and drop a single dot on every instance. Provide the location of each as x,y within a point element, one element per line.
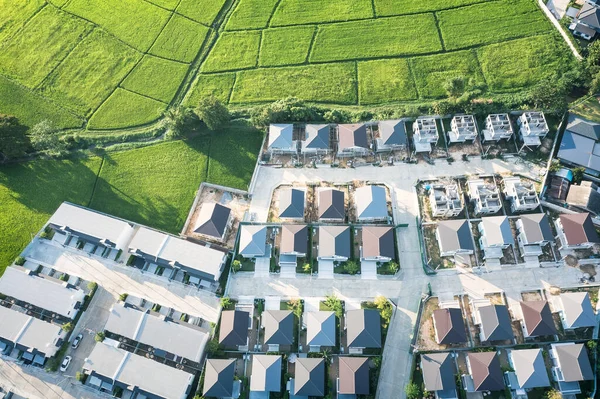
<point>385,80</point>
<point>15,13</point>
<point>153,185</point>
<point>234,50</point>
<point>251,14</point>
<point>217,85</point>
<point>204,14</point>
<point>286,46</point>
<point>165,75</point>
<point>399,7</point>
<point>124,108</point>
<point>298,12</point>
<point>180,40</point>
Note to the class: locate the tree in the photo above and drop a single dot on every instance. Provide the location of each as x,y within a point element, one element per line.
<point>412,391</point>
<point>44,137</point>
<point>236,266</point>
<point>577,175</point>
<point>67,327</point>
<point>549,95</point>
<point>455,86</point>
<point>553,394</point>
<point>175,119</point>
<point>307,268</point>
<point>212,112</point>
<point>226,302</point>
<point>352,267</point>
<point>99,336</point>
<point>13,139</point>
<point>394,267</point>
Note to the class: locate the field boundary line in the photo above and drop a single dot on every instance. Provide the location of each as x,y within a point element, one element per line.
<point>232,88</point>
<point>258,53</point>
<point>273,13</point>
<point>356,88</point>
<point>25,23</point>
<point>480,66</point>
<point>175,12</point>
<point>96,181</point>
<point>311,45</point>
<point>144,95</point>
<point>439,31</point>
<point>374,9</point>
<point>412,78</point>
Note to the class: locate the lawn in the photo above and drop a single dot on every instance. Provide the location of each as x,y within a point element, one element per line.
<point>589,109</point>
<point>415,34</point>
<point>399,7</point>
<point>334,83</point>
<point>180,40</point>
<point>233,50</point>
<point>297,12</point>
<point>285,46</point>
<point>166,77</point>
<point>124,108</point>
<point>251,14</point>
<point>383,81</point>
<point>217,85</point>
<point>204,11</point>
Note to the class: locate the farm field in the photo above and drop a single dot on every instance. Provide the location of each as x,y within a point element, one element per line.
<point>153,185</point>
<point>403,50</point>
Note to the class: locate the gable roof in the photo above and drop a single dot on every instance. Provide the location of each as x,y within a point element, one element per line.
<point>497,230</point>
<point>218,377</point>
<point>212,220</point>
<point>393,132</point>
<point>574,362</point>
<point>455,235</point>
<point>294,238</point>
<point>354,135</point>
<point>266,373</point>
<point>579,228</point>
<point>486,372</point>
<point>332,204</point>
<point>317,136</point>
<point>281,136</point>
<point>577,309</point>
<point>320,328</point>
<point>438,371</point>
<point>371,202</point>
<point>378,241</point>
<point>537,227</point>
<point>530,368</point>
<point>253,240</point>
<point>589,15</point>
<point>279,327</point>
<point>495,322</point>
<point>580,150</point>
<point>291,203</point>
<point>334,241</point>
<point>309,379</point>
<point>354,375</point>
<point>363,328</point>
<point>538,318</point>
<point>449,326</point>
<point>234,328</point>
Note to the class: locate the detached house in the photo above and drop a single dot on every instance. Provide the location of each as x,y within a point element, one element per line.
<point>233,330</point>
<point>533,233</point>
<point>292,202</point>
<point>363,330</point>
<point>371,204</point>
<point>532,128</point>
<point>438,374</point>
<point>317,140</point>
<point>309,378</point>
<point>266,374</point>
<point>334,243</point>
<point>587,23</point>
<point>485,373</point>
<point>378,244</point>
<point>577,311</point>
<point>253,242</point>
<point>576,231</point>
<point>497,127</point>
<point>392,136</point>
<point>584,196</point>
<point>570,366</point>
<point>213,221</point>
<point>580,145</point>
<point>454,237</point>
<point>281,139</point>
<point>331,205</point>
<point>320,330</point>
<point>353,140</point>
<point>522,196</point>
<point>449,326</point>
<point>219,379</point>
<point>464,129</point>
<point>496,235</point>
<point>425,133</point>
<point>485,197</point>
<point>278,329</point>
<point>445,200</point>
<point>537,319</point>
<point>294,244</point>
<point>353,376</point>
<point>529,371</point>
<point>494,323</point>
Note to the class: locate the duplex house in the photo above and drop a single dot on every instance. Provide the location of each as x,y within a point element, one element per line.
<point>438,374</point>
<point>279,329</point>
<point>43,292</point>
<point>485,197</point>
<point>533,234</point>
<point>494,323</point>
<point>266,374</point>
<point>496,235</point>
<point>353,140</point>
<point>587,22</point>
<point>320,330</point>
<point>529,371</point>
<point>378,244</point>
<point>281,139</point>
<point>585,196</point>
<point>425,133</point>
<point>577,311</point>
<point>522,196</point>
<point>570,366</point>
<point>392,136</point>
<point>371,204</point>
<point>445,200</point>
<point>294,243</point>
<point>363,330</point>
<point>28,339</point>
<point>497,127</point>
<point>485,373</point>
<point>309,378</point>
<point>331,204</point>
<point>213,221</point>
<point>292,202</point>
<point>580,145</point>
<point>316,139</point>
<point>454,237</point>
<point>353,376</point>
<point>108,367</point>
<point>253,242</point>
<point>219,378</point>
<point>463,128</point>
<point>449,326</point>
<point>532,128</point>
<point>334,243</point>
<point>233,329</point>
<point>537,319</point>
<point>576,231</point>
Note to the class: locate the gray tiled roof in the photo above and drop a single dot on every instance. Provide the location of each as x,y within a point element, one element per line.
<point>281,136</point>
<point>495,322</point>
<point>363,328</point>
<point>354,375</point>
<point>212,220</point>
<point>294,238</point>
<point>331,204</point>
<point>580,150</point>
<point>581,126</point>
<point>371,202</point>
<point>393,132</point>
<point>279,327</point>
<point>266,373</point>
<point>577,309</point>
<point>438,371</point>
<point>317,137</point>
<point>537,227</point>
<point>455,235</point>
<point>497,230</point>
<point>234,328</point>
<point>378,241</point>
<point>291,203</point>
<point>486,371</point>
<point>218,378</point>
<point>253,240</point>
<point>320,328</point>
<point>334,241</point>
<point>309,379</point>
<point>530,368</point>
<point>352,136</point>
<point>574,362</point>
<point>449,325</point>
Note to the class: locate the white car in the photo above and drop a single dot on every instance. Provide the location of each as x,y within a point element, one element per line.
<point>65,363</point>
<point>77,341</point>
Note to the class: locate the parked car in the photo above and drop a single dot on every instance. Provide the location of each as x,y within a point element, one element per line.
<point>65,363</point>
<point>77,341</point>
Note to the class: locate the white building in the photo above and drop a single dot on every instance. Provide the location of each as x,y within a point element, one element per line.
<point>425,133</point>
<point>497,127</point>
<point>445,200</point>
<point>522,196</point>
<point>485,197</point>
<point>532,128</point>
<point>464,129</point>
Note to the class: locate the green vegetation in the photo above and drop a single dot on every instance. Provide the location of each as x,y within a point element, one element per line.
<point>297,12</point>
<point>588,108</point>
<point>396,7</point>
<point>382,81</point>
<point>251,14</point>
<point>15,14</point>
<point>414,34</point>
<point>334,83</point>
<point>180,40</point>
<point>285,46</point>
<point>99,337</point>
<point>166,77</point>
<point>125,108</point>
<point>213,85</point>
<point>204,12</point>
<point>233,50</point>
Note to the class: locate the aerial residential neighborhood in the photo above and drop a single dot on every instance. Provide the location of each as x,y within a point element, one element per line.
<point>299,199</point>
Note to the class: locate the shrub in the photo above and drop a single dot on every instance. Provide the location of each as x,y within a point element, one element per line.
<point>100,336</point>
<point>130,260</point>
<point>226,302</point>
<point>68,327</point>
<point>123,297</point>
<point>212,112</point>
<point>92,286</point>
<point>81,377</point>
<point>352,267</point>
<point>236,266</point>
<point>394,267</point>
<point>20,261</point>
<point>412,391</point>
<point>64,277</point>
